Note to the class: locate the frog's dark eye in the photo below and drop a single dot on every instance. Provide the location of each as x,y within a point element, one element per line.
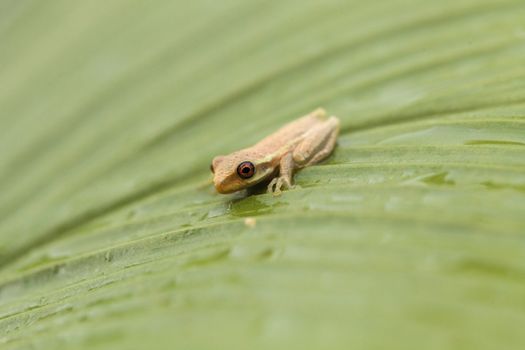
<point>211,168</point>
<point>246,170</point>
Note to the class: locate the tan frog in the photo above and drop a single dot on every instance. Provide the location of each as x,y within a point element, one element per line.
<point>298,144</point>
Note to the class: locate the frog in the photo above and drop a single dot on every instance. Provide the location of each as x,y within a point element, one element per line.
<point>303,142</point>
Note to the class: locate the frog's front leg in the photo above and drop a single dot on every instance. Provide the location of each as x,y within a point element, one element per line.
<point>284,180</point>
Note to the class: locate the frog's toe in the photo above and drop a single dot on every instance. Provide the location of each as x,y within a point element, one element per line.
<point>275,186</point>
<point>272,186</point>
<point>288,184</point>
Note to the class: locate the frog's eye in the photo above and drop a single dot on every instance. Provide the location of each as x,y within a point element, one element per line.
<point>211,168</point>
<point>246,170</point>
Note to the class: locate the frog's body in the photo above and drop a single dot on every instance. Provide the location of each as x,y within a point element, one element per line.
<point>299,144</point>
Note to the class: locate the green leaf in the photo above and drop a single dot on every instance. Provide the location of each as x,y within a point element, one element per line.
<point>410,236</point>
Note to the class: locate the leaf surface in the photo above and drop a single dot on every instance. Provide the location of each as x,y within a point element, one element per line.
<point>411,234</point>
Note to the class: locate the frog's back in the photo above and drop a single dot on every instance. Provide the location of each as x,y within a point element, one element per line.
<point>292,131</point>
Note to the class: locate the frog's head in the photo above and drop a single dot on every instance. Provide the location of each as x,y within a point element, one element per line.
<point>240,170</point>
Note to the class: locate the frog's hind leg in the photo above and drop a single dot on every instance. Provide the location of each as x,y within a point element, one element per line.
<point>317,144</point>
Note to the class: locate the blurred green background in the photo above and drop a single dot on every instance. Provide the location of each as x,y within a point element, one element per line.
<point>412,235</point>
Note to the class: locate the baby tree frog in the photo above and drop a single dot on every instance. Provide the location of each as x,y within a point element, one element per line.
<point>298,144</point>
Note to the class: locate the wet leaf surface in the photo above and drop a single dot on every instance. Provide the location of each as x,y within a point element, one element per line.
<point>411,234</point>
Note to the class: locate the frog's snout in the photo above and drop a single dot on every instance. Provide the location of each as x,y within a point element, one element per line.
<point>223,186</point>
<point>219,187</point>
